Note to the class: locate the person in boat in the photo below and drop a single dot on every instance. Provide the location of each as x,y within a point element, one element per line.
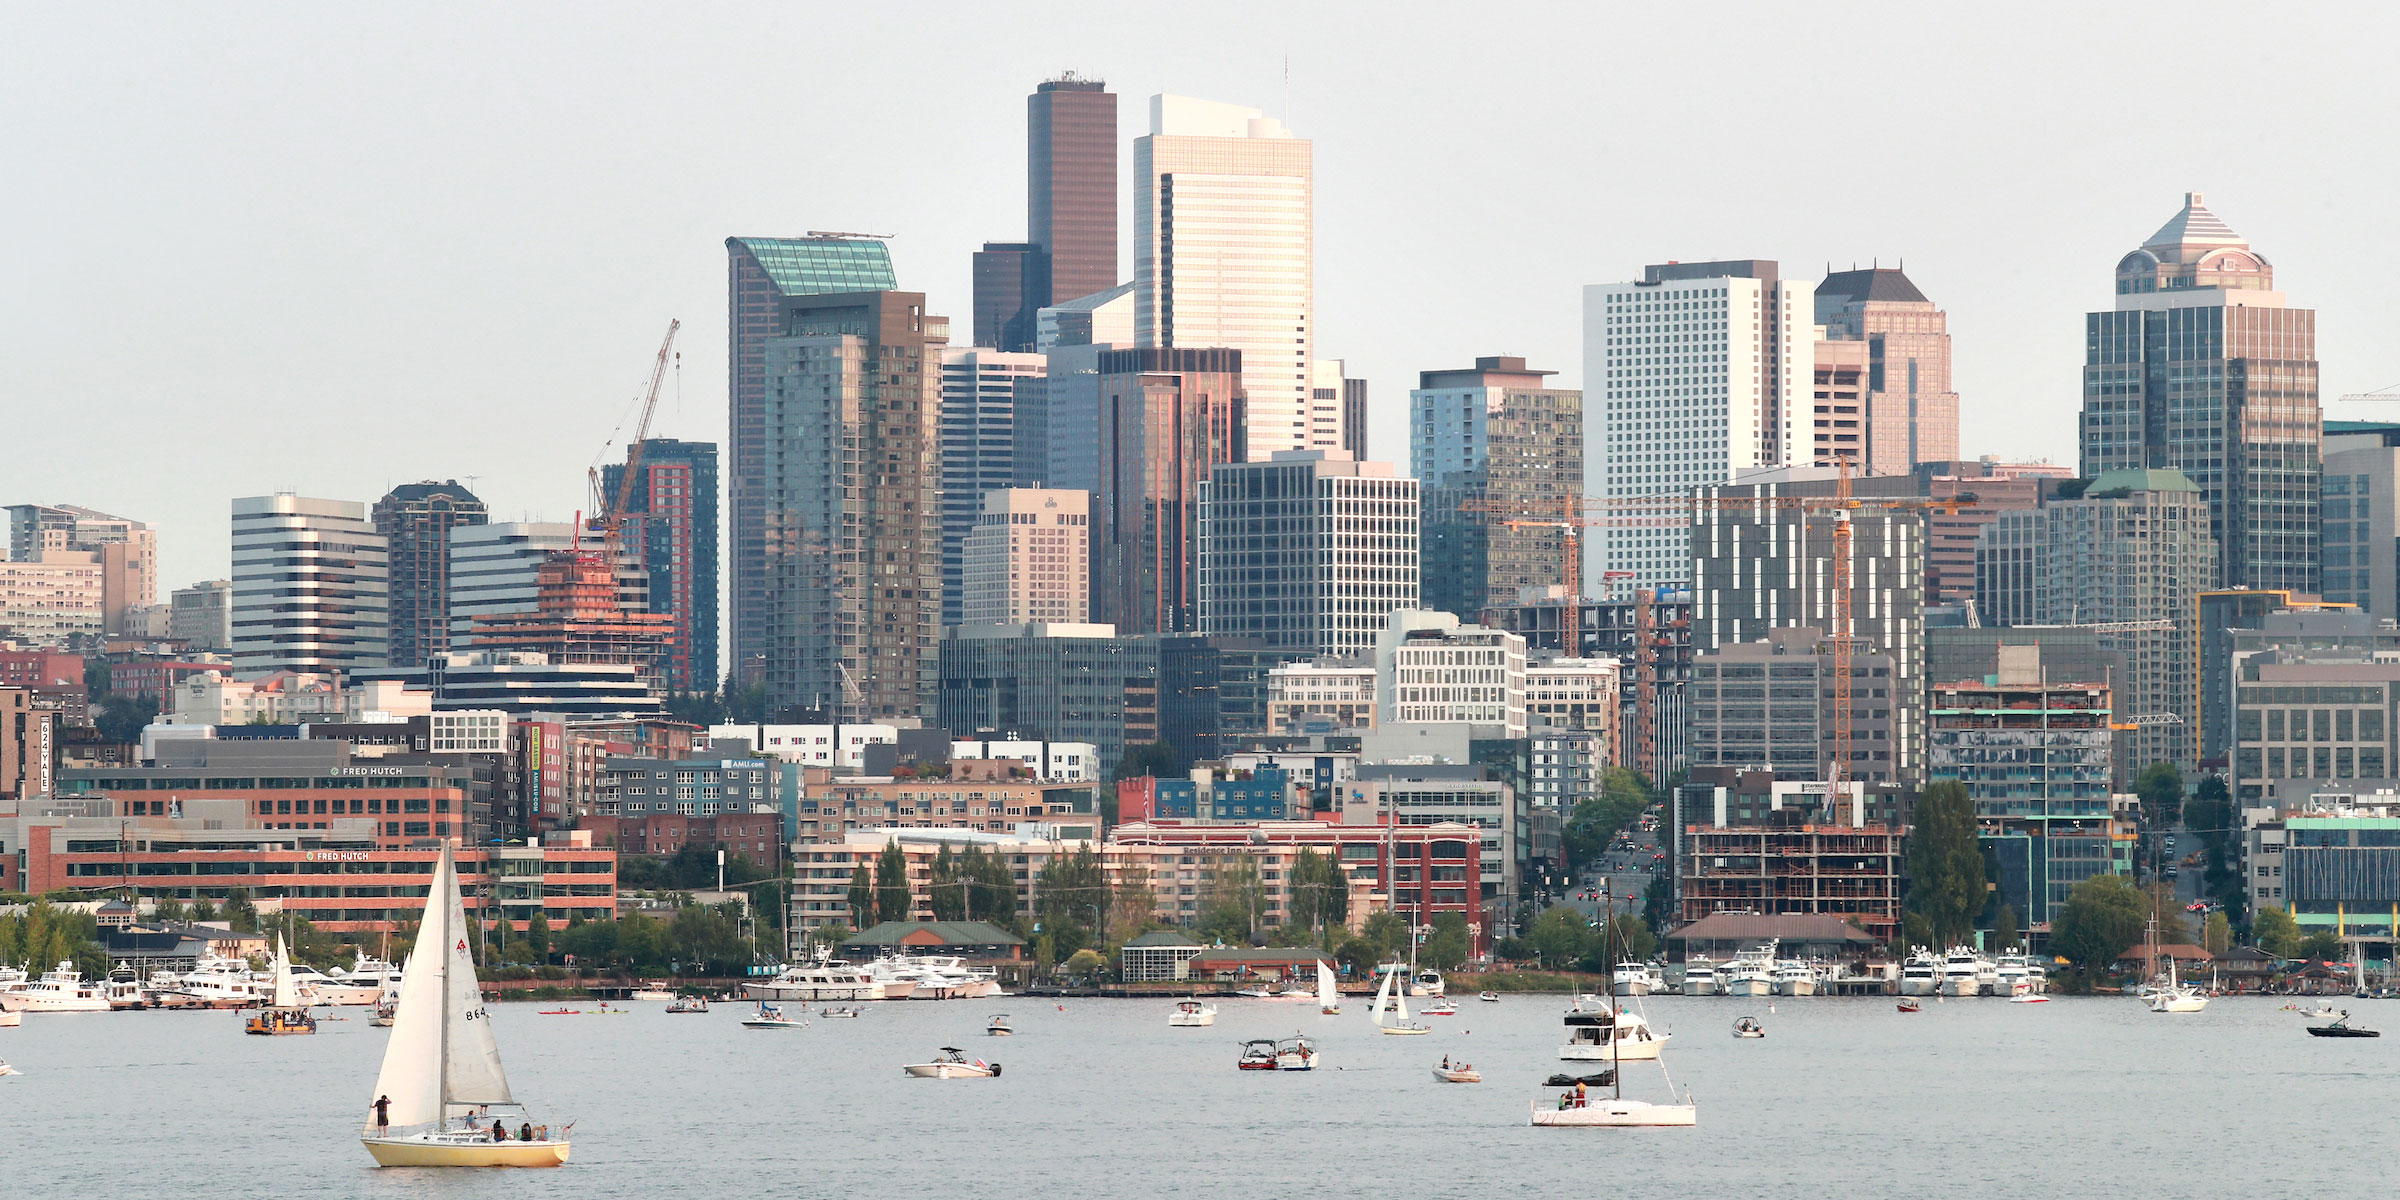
<point>383,1113</point>
<point>1581,1096</point>
<point>1445,1062</point>
<point>499,1131</point>
<point>525,1132</point>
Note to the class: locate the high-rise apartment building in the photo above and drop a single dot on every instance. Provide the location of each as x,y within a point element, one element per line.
<point>765,278</point>
<point>1432,668</point>
<point>1907,413</point>
<point>1224,242</point>
<point>201,616</point>
<point>53,600</point>
<point>990,398</point>
<point>126,550</point>
<point>1755,570</point>
<point>1494,434</point>
<point>852,505</point>
<point>2360,510</point>
<point>2204,369</point>
<point>2133,553</point>
<point>1071,187</point>
<point>309,580</point>
<point>1691,374</point>
<point>670,529</point>
<point>1028,559</point>
<point>415,520</point>
<point>1309,552</point>
<point>1167,418</point>
<point>1978,491</point>
<point>1766,705</point>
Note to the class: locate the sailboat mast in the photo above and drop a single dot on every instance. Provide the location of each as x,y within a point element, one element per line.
<point>1608,953</point>
<point>442,985</point>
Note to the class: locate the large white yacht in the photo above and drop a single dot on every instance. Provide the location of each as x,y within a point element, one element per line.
<point>215,983</point>
<point>378,979</point>
<point>1427,982</point>
<point>1608,1034</point>
<point>942,977</point>
<point>1633,979</point>
<point>2012,976</point>
<point>832,979</point>
<point>60,989</point>
<point>1962,972</point>
<point>1921,975</point>
<point>1752,972</point>
<point>1700,977</point>
<point>1795,978</point>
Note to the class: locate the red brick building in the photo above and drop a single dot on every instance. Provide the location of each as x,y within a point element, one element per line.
<point>757,834</point>
<point>155,679</point>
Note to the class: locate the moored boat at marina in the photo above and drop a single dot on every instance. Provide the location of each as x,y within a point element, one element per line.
<point>1700,977</point>
<point>1608,1034</point>
<point>60,989</point>
<point>1962,973</point>
<point>1793,978</point>
<point>1921,975</point>
<point>828,979</point>
<point>1631,979</point>
<point>1751,973</point>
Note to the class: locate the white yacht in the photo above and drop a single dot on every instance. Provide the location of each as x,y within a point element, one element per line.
<point>831,979</point>
<point>215,983</point>
<point>1752,972</point>
<point>1633,979</point>
<point>946,977</point>
<point>2011,976</point>
<point>60,989</point>
<point>372,978</point>
<point>1921,975</point>
<point>2037,978</point>
<point>1426,982</point>
<point>1795,978</point>
<point>1608,1034</point>
<point>1700,977</point>
<point>317,987</point>
<point>1962,972</point>
<point>1191,1014</point>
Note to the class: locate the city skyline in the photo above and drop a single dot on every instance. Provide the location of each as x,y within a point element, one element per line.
<point>234,279</point>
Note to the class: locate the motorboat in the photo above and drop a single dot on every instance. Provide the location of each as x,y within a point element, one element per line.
<point>1426,982</point>
<point>1793,978</point>
<point>2029,998</point>
<point>1391,997</point>
<point>951,978</point>
<point>1450,1072</point>
<point>689,1004</point>
<point>830,979</point>
<point>653,994</point>
<point>60,989</point>
<point>441,1067</point>
<point>124,992</point>
<point>1608,1034</point>
<point>1962,973</point>
<point>1700,977</point>
<point>1488,997</point>
<point>284,1013</point>
<point>213,983</point>
<point>2011,976</point>
<point>2341,1027</point>
<point>2037,977</point>
<point>1748,1027</point>
<point>317,987</point>
<point>1191,1014</point>
<point>770,1015</point>
<point>997,1026</point>
<point>379,979</point>
<point>1910,1005</point>
<point>1295,1054</point>
<point>1632,979</point>
<point>1440,1008</point>
<point>1752,972</point>
<point>952,1063</point>
<point>1921,975</point>
<point>1258,1054</point>
<point>847,1010</point>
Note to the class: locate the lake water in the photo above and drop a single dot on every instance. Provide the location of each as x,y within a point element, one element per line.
<point>1099,1097</point>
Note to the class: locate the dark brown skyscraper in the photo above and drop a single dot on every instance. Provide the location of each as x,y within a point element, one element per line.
<point>1071,188</point>
<point>415,520</point>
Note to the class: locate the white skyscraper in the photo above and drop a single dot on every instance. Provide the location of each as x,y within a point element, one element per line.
<point>1310,553</point>
<point>1693,374</point>
<point>309,586</point>
<point>1223,244</point>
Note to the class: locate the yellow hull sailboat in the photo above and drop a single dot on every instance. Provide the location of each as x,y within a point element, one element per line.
<point>441,1078</point>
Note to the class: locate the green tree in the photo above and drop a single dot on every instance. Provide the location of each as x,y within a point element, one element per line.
<point>949,900</point>
<point>2216,934</point>
<point>2322,944</point>
<point>891,883</point>
<point>1320,891</point>
<point>1632,938</point>
<point>2005,935</point>
<point>1597,820</point>
<point>2276,932</point>
<point>862,896</point>
<point>1658,905</point>
<point>745,704</point>
<point>1946,883</point>
<point>1133,908</point>
<point>2103,917</point>
<point>1450,944</point>
<point>537,936</point>
<point>990,887</point>
<point>1085,964</point>
<point>239,912</point>
<point>1151,758</point>
<point>641,942</point>
<point>1071,890</point>
<point>1560,937</point>
<point>1233,901</point>
<point>2160,785</point>
<point>121,718</point>
<point>707,936</point>
<point>1384,933</point>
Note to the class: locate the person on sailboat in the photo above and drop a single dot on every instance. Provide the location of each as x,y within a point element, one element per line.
<point>383,1114</point>
<point>499,1131</point>
<point>525,1132</point>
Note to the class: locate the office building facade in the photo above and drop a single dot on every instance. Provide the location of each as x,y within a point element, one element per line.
<point>1028,559</point>
<point>2360,511</point>
<point>1071,188</point>
<point>1309,553</point>
<point>415,520</point>
<point>2204,368</point>
<point>1907,412</point>
<point>309,586</point>
<point>1168,417</point>
<point>984,409</point>
<point>670,532</point>
<point>1494,436</point>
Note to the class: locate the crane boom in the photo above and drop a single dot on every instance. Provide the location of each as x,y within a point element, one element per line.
<point>613,517</point>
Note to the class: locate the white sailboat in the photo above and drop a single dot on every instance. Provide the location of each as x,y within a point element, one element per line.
<point>1329,1000</point>
<point>441,1070</point>
<point>1577,1108</point>
<point>284,1014</point>
<point>2174,997</point>
<point>1389,998</point>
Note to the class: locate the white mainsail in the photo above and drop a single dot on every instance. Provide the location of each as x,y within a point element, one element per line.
<point>286,995</point>
<point>441,1047</point>
<point>1400,1000</point>
<point>1327,997</point>
<point>1383,998</point>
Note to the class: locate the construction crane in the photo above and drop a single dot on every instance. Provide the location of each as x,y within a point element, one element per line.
<point>2377,396</point>
<point>1564,513</point>
<point>612,507</point>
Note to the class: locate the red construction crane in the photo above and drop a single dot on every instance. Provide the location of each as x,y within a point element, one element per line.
<point>612,507</point>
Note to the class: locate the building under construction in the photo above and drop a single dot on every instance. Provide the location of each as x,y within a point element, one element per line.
<point>1753,843</point>
<point>577,621</point>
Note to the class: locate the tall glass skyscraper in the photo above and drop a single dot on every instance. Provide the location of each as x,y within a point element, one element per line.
<point>671,531</point>
<point>2204,369</point>
<point>415,520</point>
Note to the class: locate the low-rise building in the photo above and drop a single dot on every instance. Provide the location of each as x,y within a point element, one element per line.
<point>283,784</point>
<point>841,746</point>
<point>1342,695</point>
<point>1159,956</point>
<point>692,787</point>
<point>981,797</point>
<point>1058,762</point>
<point>976,941</point>
<point>1265,794</point>
<point>756,833</point>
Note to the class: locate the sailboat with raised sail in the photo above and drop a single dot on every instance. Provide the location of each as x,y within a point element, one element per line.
<point>1392,997</point>
<point>1577,1107</point>
<point>1329,999</point>
<point>441,1069</point>
<point>286,1015</point>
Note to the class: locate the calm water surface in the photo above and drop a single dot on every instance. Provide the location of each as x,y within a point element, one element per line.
<point>1843,1097</point>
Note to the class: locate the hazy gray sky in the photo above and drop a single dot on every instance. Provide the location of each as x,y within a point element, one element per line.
<point>335,248</point>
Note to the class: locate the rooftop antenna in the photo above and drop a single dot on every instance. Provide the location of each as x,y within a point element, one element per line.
<point>1287,90</point>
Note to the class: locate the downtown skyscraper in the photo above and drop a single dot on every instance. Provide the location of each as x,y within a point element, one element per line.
<point>415,520</point>
<point>670,530</point>
<point>1903,412</point>
<point>1495,435</point>
<point>1070,246</point>
<point>1224,242</point>
<point>2203,368</point>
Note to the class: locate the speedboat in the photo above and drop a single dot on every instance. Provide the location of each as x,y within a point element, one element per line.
<point>1795,979</point>
<point>60,989</point>
<point>2340,1027</point>
<point>689,1004</point>
<point>849,1010</point>
<point>1608,1035</point>
<point>1748,1027</point>
<point>1427,982</point>
<point>952,1063</point>
<point>1450,1072</point>
<point>1258,1054</point>
<point>1295,1054</point>
<point>1909,1005</point>
<point>1191,1014</point>
<point>771,1016</point>
<point>997,1026</point>
<point>1700,977</point>
<point>831,979</point>
<point>1921,975</point>
<point>1488,997</point>
<point>1962,972</point>
<point>2029,998</point>
<point>1441,1008</point>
